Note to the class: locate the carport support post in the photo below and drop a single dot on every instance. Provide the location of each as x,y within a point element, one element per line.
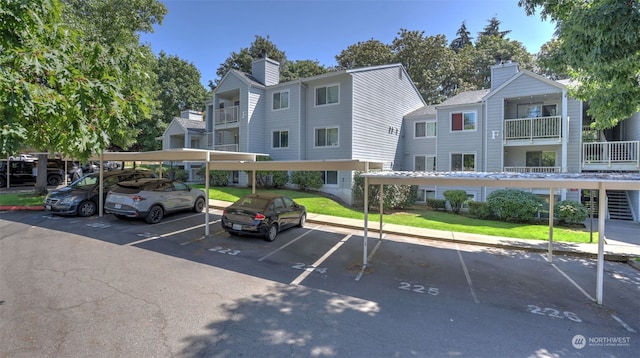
<point>253,181</point>
<point>552,199</point>
<point>602,211</point>
<point>366,222</point>
<point>101,189</point>
<point>381,207</point>
<point>206,212</point>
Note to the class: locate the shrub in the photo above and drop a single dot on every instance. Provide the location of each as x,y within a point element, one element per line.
<point>395,196</point>
<point>306,180</point>
<point>178,174</point>
<point>570,212</point>
<point>279,179</point>
<point>437,204</point>
<point>216,177</point>
<point>479,209</point>
<point>514,205</point>
<point>455,198</point>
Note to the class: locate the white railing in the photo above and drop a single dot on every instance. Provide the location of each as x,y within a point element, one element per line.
<point>533,128</point>
<point>226,115</point>
<point>226,147</point>
<point>623,152</point>
<point>532,169</point>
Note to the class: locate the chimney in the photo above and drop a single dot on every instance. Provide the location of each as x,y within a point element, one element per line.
<point>266,70</point>
<point>502,71</point>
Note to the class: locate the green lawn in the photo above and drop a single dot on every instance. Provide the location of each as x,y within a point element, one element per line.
<point>418,217</point>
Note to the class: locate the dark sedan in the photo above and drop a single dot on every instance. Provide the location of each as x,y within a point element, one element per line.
<point>263,215</point>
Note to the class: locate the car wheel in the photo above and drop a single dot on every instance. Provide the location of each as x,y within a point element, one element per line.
<point>154,215</point>
<point>86,208</point>
<point>199,205</point>
<point>303,220</point>
<point>272,232</point>
<point>54,180</point>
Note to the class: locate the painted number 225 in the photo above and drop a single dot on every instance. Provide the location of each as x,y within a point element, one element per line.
<point>418,288</point>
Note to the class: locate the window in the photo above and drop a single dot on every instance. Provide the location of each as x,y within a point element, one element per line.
<point>280,139</point>
<point>541,159</point>
<point>326,137</point>
<point>463,162</point>
<point>327,95</point>
<point>425,129</point>
<point>424,194</point>
<point>281,100</point>
<point>330,177</point>
<point>463,121</point>
<point>424,163</point>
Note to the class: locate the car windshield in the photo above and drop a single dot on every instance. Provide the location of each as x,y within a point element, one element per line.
<point>87,181</point>
<point>254,203</point>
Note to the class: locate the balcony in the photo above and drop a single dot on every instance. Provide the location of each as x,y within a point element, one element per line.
<point>226,116</point>
<point>226,147</point>
<point>611,156</point>
<point>532,169</point>
<point>533,129</point>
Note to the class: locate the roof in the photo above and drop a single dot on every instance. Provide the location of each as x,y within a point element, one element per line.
<point>192,124</point>
<point>469,97</point>
<point>182,154</point>
<point>520,73</point>
<point>423,112</point>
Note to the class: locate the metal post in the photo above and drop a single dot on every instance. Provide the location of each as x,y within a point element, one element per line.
<point>551,205</point>
<point>253,181</point>
<point>101,190</point>
<point>381,207</point>
<point>602,212</point>
<point>206,212</point>
<point>366,222</point>
<point>590,215</point>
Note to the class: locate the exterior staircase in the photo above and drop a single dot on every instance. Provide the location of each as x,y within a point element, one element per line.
<point>618,205</point>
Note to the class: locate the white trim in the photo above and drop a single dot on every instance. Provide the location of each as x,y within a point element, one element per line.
<point>315,99</point>
<point>326,146</point>
<point>288,92</point>
<point>463,153</point>
<point>426,129</point>
<point>463,112</point>
<point>280,138</point>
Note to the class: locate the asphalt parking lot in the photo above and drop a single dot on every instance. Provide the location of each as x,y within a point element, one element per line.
<point>305,294</point>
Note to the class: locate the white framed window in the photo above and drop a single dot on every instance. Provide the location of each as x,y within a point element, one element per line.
<point>424,163</point>
<point>463,121</point>
<point>280,139</point>
<point>330,177</point>
<point>326,137</point>
<point>424,194</point>
<point>463,162</point>
<point>424,129</point>
<point>329,94</point>
<point>280,100</point>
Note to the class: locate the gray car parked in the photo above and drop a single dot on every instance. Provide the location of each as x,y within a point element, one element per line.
<point>152,199</point>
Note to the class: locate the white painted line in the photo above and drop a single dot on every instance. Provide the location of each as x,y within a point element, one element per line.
<point>318,262</point>
<point>178,219</point>
<point>364,268</point>
<point>289,243</point>
<point>200,238</point>
<point>626,326</point>
<point>466,273</point>
<point>569,278</point>
<point>165,235</point>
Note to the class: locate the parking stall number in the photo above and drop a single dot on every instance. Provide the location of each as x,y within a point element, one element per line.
<point>222,250</point>
<point>553,313</point>
<point>310,268</point>
<point>99,225</point>
<point>406,286</point>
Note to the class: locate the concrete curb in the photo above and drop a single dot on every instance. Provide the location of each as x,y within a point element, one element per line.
<point>21,207</point>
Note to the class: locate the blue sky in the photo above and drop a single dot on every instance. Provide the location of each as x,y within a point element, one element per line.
<point>206,32</point>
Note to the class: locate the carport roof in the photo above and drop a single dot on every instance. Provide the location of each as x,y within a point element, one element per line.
<point>192,155</point>
<point>303,165</point>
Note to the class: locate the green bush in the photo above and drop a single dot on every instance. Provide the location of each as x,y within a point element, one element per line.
<point>395,196</point>
<point>437,204</point>
<point>178,174</point>
<point>570,212</point>
<point>479,209</point>
<point>279,179</point>
<point>306,180</point>
<point>216,177</point>
<point>455,198</point>
<point>512,205</point>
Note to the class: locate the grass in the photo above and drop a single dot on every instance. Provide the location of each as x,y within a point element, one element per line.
<point>419,217</point>
<point>416,217</point>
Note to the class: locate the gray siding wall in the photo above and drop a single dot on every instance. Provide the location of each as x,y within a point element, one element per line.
<point>381,97</point>
<point>501,73</point>
<point>331,115</point>
<point>287,119</point>
<point>252,129</point>
<point>574,145</point>
<point>413,146</point>
<point>631,127</point>
<point>467,142</point>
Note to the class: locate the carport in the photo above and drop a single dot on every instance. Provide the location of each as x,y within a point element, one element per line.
<point>600,182</point>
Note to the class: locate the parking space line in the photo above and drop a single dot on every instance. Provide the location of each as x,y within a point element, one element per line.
<point>569,278</point>
<point>373,252</point>
<point>626,326</point>
<point>318,262</point>
<point>466,273</point>
<point>169,234</point>
<point>289,243</point>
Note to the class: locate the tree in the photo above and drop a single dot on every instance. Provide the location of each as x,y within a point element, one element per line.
<point>301,69</point>
<point>493,29</point>
<point>363,54</point>
<point>462,40</point>
<point>549,61</point>
<point>242,59</point>
<point>599,43</point>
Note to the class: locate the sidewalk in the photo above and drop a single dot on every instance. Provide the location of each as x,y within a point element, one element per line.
<point>614,250</point>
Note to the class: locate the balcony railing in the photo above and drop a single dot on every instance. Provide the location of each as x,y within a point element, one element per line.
<point>533,128</point>
<point>532,169</point>
<point>226,115</point>
<point>612,153</point>
<point>226,147</point>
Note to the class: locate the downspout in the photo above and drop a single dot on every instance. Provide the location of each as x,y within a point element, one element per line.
<point>565,139</point>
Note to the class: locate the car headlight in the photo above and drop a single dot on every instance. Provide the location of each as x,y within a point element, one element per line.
<point>68,200</point>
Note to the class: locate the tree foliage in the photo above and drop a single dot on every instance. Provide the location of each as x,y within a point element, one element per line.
<point>242,59</point>
<point>464,38</point>
<point>363,54</point>
<point>599,43</point>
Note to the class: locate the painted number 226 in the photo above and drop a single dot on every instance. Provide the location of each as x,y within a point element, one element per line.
<point>553,313</point>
